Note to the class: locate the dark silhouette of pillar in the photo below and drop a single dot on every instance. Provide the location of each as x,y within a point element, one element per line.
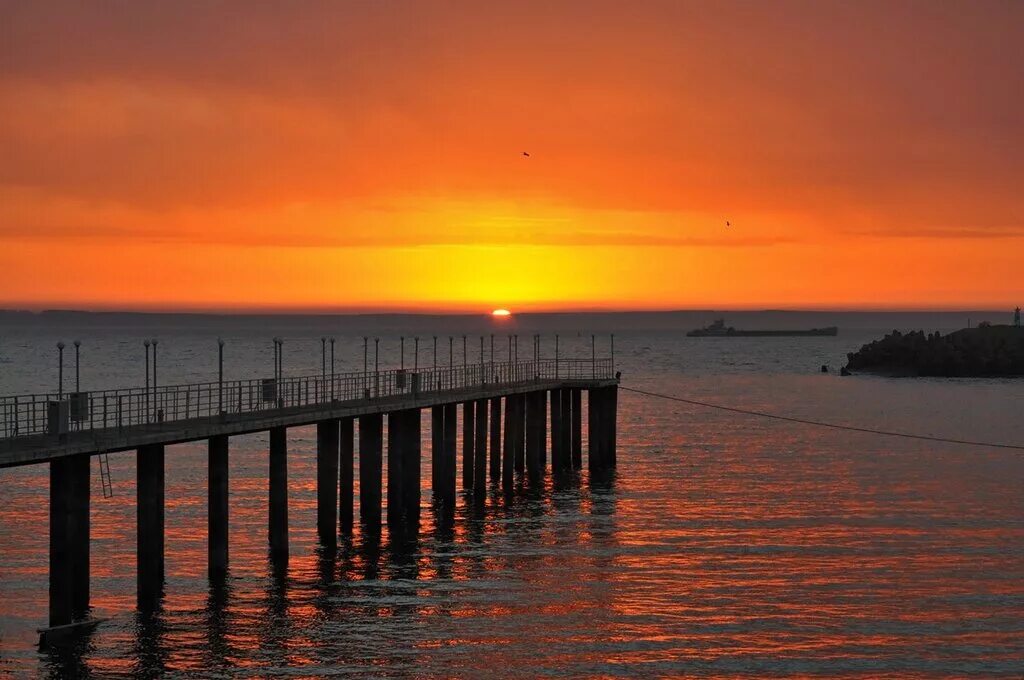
<point>613,416</point>
<point>447,473</point>
<point>69,539</point>
<point>468,443</point>
<point>217,513</point>
<point>371,441</point>
<point>520,432</point>
<point>480,452</point>
<point>566,431</point>
<point>395,462</point>
<point>411,468</point>
<point>558,462</point>
<point>150,525</point>
<point>508,448</point>
<point>536,403</point>
<point>595,432</point>
<point>576,438</point>
<point>495,453</point>
<point>327,482</point>
<point>277,525</point>
<point>346,442</point>
<point>436,451</point>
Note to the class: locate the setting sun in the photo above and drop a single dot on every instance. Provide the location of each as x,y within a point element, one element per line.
<point>501,312</point>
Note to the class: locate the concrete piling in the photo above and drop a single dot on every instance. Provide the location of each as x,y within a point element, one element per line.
<point>346,450</point>
<point>277,525</point>
<point>447,471</point>
<point>519,432</point>
<point>468,443</point>
<point>327,482</point>
<point>536,434</point>
<point>217,513</point>
<point>371,441</point>
<point>69,539</point>
<point>495,452</point>
<point>403,471</point>
<point>150,525</point>
<point>480,452</point>
<point>558,462</point>
<point>507,448</point>
<point>576,434</point>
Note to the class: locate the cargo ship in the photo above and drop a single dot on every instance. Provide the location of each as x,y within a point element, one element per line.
<point>719,330</point>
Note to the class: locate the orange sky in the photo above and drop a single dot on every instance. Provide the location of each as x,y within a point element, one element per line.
<point>368,156</point>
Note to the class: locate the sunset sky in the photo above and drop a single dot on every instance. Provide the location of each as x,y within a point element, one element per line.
<point>343,156</point>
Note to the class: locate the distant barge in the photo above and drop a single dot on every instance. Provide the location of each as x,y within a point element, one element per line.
<point>719,330</point>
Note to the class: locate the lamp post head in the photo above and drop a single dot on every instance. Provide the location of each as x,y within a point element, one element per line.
<point>146,343</point>
<point>154,342</point>
<point>220,342</point>
<point>60,345</point>
<point>78,343</point>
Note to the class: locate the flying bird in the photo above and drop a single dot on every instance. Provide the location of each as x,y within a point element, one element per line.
<point>525,153</point>
<point>727,223</point>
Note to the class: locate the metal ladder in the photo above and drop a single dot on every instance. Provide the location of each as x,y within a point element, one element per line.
<point>108,487</point>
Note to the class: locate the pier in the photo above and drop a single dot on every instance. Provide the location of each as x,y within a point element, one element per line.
<point>506,409</point>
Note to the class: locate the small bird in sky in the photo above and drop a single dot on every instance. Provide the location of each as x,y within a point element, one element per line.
<point>727,223</point>
<point>525,153</point>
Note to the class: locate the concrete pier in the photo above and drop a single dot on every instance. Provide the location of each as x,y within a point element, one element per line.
<point>277,525</point>
<point>150,525</point>
<point>217,513</point>
<point>327,483</point>
<point>495,440</point>
<point>468,443</point>
<point>576,433</point>
<point>69,539</point>
<point>346,450</point>
<point>371,441</point>
<point>513,430</point>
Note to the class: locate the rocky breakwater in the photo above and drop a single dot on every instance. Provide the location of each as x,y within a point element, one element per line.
<point>971,352</point>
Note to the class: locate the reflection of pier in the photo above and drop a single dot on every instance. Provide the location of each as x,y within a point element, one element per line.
<point>505,409</point>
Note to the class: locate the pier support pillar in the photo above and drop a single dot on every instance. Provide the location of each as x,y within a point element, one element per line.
<point>327,482</point>
<point>536,434</point>
<point>519,432</point>
<point>468,443</point>
<point>346,440</point>
<point>565,434</point>
<point>436,451</point>
<point>507,447</point>
<point>495,453</point>
<point>576,435</point>
<point>480,452</point>
<point>371,441</point>
<point>150,525</point>
<point>446,472</point>
<point>558,457</point>
<point>403,470</point>
<point>602,403</point>
<point>69,539</point>
<point>277,532</point>
<point>217,512</point>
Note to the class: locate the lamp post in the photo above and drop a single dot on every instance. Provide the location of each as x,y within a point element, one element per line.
<point>220,375</point>
<point>556,356</point>
<point>376,366</point>
<point>401,361</point>
<point>435,352</point>
<point>366,367</point>
<point>323,359</point>
<point>332,367</point>
<point>593,358</point>
<point>146,344</point>
<point>613,352</point>
<point>483,373</point>
<point>416,358</point>
<point>60,370</point>
<point>154,377</point>
<point>78,385</point>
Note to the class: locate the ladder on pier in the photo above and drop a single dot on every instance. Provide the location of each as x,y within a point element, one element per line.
<point>108,487</point>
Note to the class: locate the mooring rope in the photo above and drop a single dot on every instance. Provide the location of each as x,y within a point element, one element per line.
<point>819,423</point>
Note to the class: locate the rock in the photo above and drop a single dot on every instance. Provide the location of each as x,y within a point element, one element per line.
<point>987,350</point>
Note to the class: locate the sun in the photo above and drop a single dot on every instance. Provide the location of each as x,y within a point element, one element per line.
<point>501,312</point>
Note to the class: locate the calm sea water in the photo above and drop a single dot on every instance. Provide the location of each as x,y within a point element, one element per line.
<point>726,546</point>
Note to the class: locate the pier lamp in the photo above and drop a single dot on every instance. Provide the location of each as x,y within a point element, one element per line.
<point>323,357</point>
<point>60,370</point>
<point>401,362</point>
<point>78,388</point>
<point>483,373</point>
<point>366,350</point>
<point>416,358</point>
<point>376,366</point>
<point>593,357</point>
<point>331,339</point>
<point>435,352</point>
<point>556,356</point>
<point>154,374</point>
<point>220,375</point>
<point>145,343</point>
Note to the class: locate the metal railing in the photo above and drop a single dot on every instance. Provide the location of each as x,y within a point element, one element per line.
<point>36,414</point>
